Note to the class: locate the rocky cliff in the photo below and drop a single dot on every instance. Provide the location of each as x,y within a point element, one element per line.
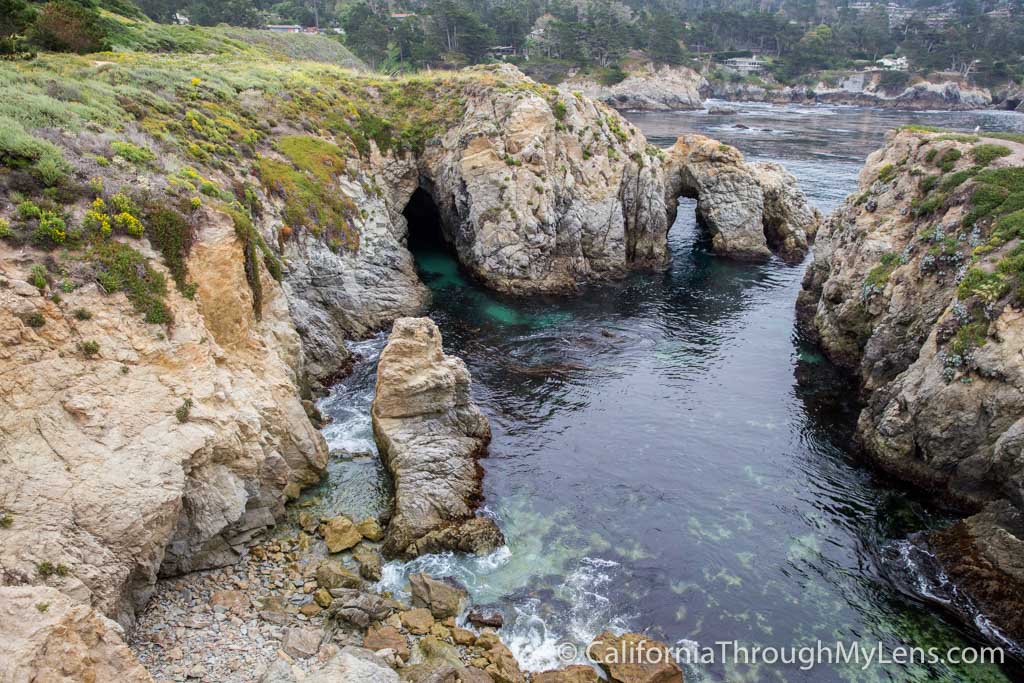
<point>646,87</point>
<point>132,448</point>
<point>430,436</point>
<point>749,210</point>
<point>915,287</point>
<point>867,89</point>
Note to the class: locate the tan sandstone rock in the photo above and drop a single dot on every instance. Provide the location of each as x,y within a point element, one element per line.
<point>340,534</point>
<point>634,658</point>
<point>430,436</point>
<point>48,637</point>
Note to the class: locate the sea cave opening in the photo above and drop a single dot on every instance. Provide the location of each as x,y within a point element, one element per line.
<point>436,259</point>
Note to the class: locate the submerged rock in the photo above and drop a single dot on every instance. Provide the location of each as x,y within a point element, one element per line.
<point>749,210</point>
<point>430,436</point>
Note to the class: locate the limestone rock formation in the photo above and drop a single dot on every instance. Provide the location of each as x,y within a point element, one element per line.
<point>913,288</point>
<point>540,192</point>
<point>47,636</point>
<point>647,87</point>
<point>750,210</point>
<point>430,435</point>
<point>159,450</point>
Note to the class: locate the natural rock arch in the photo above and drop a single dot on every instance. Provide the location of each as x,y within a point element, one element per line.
<point>748,210</point>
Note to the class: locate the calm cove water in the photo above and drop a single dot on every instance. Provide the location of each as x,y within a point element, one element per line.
<point>656,465</point>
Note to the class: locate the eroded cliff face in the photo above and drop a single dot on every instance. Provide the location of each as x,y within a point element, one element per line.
<point>430,436</point>
<point>131,449</point>
<point>864,89</point>
<point>750,210</point>
<point>914,287</point>
<point>542,193</point>
<point>647,87</point>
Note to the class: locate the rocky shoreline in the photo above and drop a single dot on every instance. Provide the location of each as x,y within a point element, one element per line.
<point>912,289</point>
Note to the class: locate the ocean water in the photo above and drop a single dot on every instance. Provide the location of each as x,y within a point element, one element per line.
<point>669,456</point>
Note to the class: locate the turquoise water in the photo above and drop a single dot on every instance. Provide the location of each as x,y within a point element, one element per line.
<point>670,456</point>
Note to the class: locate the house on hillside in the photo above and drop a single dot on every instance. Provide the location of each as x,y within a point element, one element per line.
<point>893,64</point>
<point>745,65</point>
<point>284,28</point>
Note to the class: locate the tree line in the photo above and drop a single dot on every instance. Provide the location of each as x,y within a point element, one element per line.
<point>799,37</point>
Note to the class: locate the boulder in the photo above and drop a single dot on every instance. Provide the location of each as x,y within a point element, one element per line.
<point>369,565</point>
<point>340,534</point>
<point>302,642</point>
<point>634,658</point>
<point>358,608</point>
<point>577,673</point>
<point>49,637</point>
<point>486,615</point>
<point>430,436</point>
<point>236,602</point>
<point>370,529</point>
<point>379,637</point>
<point>418,620</point>
<point>332,574</point>
<point>354,665</point>
<point>501,663</point>
<point>443,597</point>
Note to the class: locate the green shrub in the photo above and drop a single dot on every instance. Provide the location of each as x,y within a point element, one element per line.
<point>559,110</point>
<point>183,411</point>
<point>170,232</point>
<point>66,26</point>
<point>20,150</point>
<point>5,229</point>
<point>954,180</point>
<point>931,154</point>
<point>887,173</point>
<point>949,158</point>
<point>132,153</point>
<point>985,154</point>
<point>120,268</point>
<point>52,230</point>
<point>89,348</point>
<point>977,282</point>
<point>38,277</point>
<point>35,320</point>
<point>6,520</point>
<point>82,314</point>
<point>28,210</point>
<point>46,569</point>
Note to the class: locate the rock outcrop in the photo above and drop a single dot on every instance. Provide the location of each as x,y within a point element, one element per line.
<point>430,436</point>
<point>749,210</point>
<point>541,191</point>
<point>47,636</point>
<point>868,89</point>
<point>131,449</point>
<point>647,87</point>
<point>914,288</point>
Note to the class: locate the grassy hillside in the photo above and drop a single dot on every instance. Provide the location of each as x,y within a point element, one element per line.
<point>100,150</point>
<point>141,35</point>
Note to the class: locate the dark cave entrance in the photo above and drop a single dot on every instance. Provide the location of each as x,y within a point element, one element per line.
<point>424,223</point>
<point>436,260</point>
